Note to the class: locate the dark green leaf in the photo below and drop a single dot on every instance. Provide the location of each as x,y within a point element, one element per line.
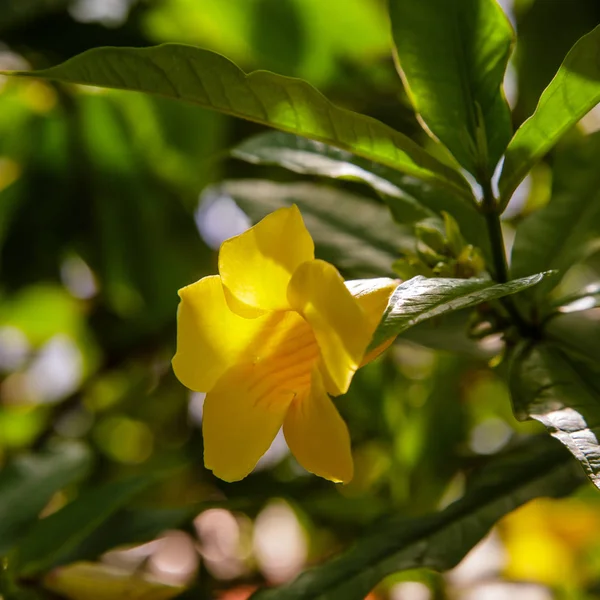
<point>18,15</point>
<point>28,483</point>
<point>358,235</point>
<point>585,299</point>
<point>574,91</point>
<point>52,538</point>
<point>450,334</point>
<point>422,298</point>
<point>210,80</point>
<point>567,228</point>
<point>130,526</point>
<point>578,333</point>
<point>563,394</point>
<point>438,541</point>
<point>452,57</point>
<point>409,200</point>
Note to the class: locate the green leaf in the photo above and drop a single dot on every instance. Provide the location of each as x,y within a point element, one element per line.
<point>28,483</point>
<point>563,394</point>
<point>362,246</point>
<point>578,333</point>
<point>452,57</point>
<point>585,299</point>
<point>573,92</point>
<point>568,227</point>
<point>50,540</point>
<point>409,200</point>
<point>130,526</point>
<point>438,541</point>
<point>210,80</point>
<point>422,298</point>
<point>451,334</point>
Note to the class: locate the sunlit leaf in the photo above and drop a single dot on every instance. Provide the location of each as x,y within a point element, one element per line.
<point>574,91</point>
<point>310,40</point>
<point>28,483</point>
<point>564,395</point>
<point>441,540</point>
<point>210,80</point>
<point>410,200</point>
<point>452,57</point>
<point>422,298</point>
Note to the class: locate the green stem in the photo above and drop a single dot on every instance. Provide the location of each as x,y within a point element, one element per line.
<point>492,219</point>
<point>490,209</point>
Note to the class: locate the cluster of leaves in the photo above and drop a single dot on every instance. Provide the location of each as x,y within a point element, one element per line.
<point>447,243</point>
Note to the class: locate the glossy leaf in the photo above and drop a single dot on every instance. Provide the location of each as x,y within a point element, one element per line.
<point>52,538</point>
<point>573,92</point>
<point>452,57</point>
<point>28,483</point>
<point>438,541</point>
<point>410,200</point>
<point>422,298</point>
<point>357,234</point>
<point>210,80</point>
<point>568,227</point>
<point>563,394</point>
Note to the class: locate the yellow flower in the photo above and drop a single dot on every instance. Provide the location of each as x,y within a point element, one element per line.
<point>267,340</point>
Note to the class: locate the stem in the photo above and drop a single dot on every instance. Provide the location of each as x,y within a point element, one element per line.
<point>490,209</point>
<point>492,218</point>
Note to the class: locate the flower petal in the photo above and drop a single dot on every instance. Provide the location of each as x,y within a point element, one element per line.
<point>210,337</point>
<point>373,296</point>
<point>317,435</point>
<point>373,354</point>
<point>256,266</point>
<point>239,423</point>
<point>342,329</point>
<point>246,407</point>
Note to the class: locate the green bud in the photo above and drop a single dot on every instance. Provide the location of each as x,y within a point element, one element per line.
<point>445,269</point>
<point>470,262</point>
<point>409,267</point>
<point>430,232</point>
<point>454,238</point>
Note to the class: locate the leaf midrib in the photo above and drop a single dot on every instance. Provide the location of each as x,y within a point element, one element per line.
<point>414,154</point>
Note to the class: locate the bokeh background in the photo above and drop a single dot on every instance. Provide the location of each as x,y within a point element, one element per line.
<point>110,202</point>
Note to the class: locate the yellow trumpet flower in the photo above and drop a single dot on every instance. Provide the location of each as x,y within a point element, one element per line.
<point>267,340</point>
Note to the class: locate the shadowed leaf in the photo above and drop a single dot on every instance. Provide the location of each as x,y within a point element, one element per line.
<point>564,395</point>
<point>438,541</point>
<point>409,199</point>
<point>28,483</point>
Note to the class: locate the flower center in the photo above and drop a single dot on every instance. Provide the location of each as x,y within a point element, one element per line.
<point>284,356</point>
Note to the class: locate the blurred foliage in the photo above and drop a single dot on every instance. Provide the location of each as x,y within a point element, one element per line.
<point>111,201</point>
